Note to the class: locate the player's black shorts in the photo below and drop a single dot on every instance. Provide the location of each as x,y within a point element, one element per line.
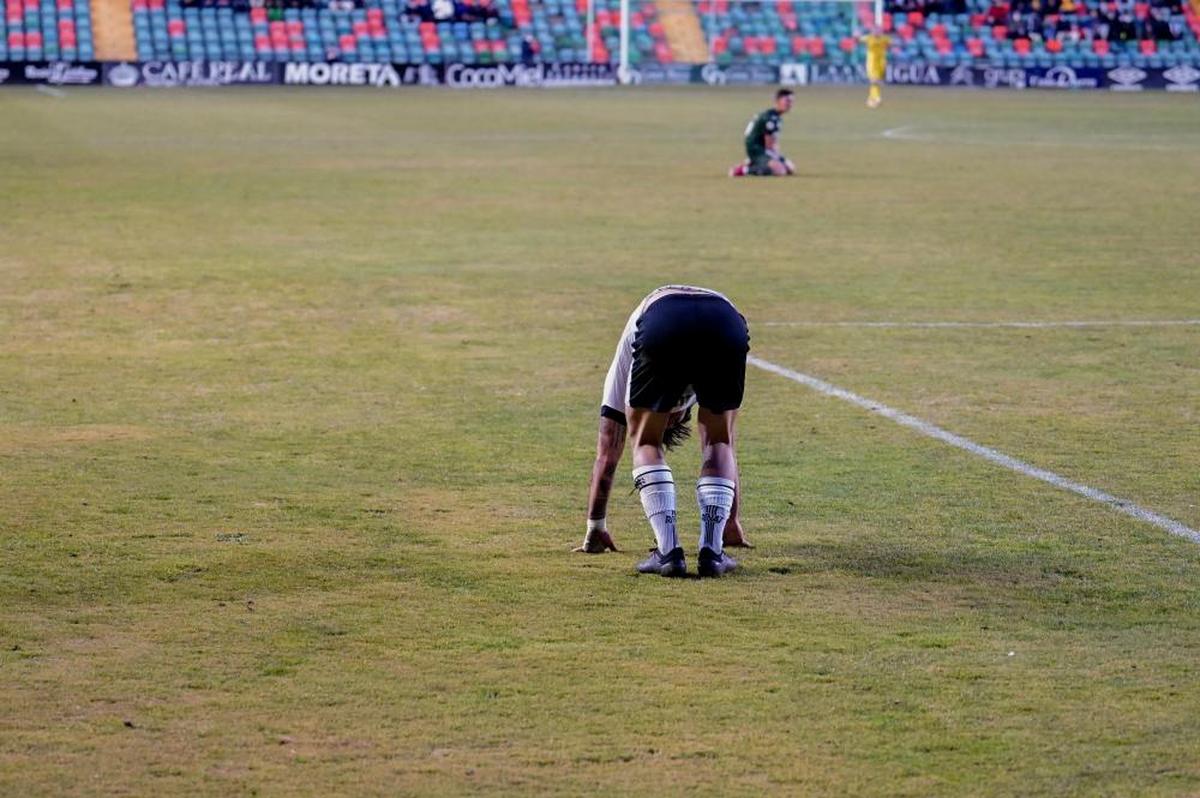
<point>689,339</point>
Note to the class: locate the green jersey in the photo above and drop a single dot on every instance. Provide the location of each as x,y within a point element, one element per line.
<point>768,123</point>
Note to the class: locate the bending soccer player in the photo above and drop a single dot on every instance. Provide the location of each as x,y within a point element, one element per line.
<point>877,50</point>
<point>763,158</point>
<point>682,346</point>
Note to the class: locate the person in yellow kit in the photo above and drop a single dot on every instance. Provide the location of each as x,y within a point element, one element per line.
<point>877,49</point>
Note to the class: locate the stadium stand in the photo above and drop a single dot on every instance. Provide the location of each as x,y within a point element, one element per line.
<point>46,30</point>
<point>385,30</point>
<point>996,32</point>
<point>1002,33</point>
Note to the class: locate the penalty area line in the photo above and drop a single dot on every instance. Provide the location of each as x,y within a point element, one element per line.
<point>991,455</point>
<point>1021,325</point>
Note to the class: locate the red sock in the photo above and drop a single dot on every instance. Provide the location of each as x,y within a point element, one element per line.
<point>738,171</point>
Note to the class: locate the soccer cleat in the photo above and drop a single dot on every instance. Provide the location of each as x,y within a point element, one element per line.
<point>874,101</point>
<point>670,564</point>
<point>713,564</point>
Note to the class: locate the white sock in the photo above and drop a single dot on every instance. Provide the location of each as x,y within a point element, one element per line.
<point>656,488</point>
<point>715,497</point>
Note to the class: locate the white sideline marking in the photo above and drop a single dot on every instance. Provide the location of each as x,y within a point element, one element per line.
<point>904,133</point>
<point>999,458</point>
<point>987,324</point>
<point>53,92</point>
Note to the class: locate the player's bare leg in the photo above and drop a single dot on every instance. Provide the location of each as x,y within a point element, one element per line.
<point>656,488</point>
<point>734,536</point>
<point>716,490</point>
<point>874,97</point>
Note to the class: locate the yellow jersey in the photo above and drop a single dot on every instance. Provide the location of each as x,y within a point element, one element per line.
<point>877,48</point>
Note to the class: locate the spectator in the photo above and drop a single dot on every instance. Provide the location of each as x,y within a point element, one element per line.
<point>530,50</point>
<point>998,13</point>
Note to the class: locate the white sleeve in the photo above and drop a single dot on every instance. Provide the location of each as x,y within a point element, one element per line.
<point>616,384</point>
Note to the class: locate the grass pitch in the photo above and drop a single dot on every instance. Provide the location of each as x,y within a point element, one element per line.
<point>297,405</point>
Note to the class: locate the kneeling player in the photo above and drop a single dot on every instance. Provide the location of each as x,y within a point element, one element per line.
<point>682,346</point>
<point>762,139</point>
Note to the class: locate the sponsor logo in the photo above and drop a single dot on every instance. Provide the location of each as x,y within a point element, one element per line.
<point>793,74</point>
<point>713,75</point>
<point>1061,77</point>
<point>338,74</point>
<point>671,74</point>
<point>751,74</point>
<point>123,75</point>
<point>61,73</point>
<point>1182,78</point>
<point>577,75</point>
<point>914,74</point>
<point>962,75</point>
<point>1007,78</point>
<point>837,74</point>
<point>4,73</point>
<point>546,75</point>
<point>420,75</point>
<point>169,74</point>
<point>1126,78</point>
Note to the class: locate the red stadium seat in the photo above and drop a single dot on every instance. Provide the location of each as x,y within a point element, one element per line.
<point>847,44</point>
<point>257,15</point>
<point>906,32</point>
<point>816,47</point>
<point>348,43</point>
<point>1021,46</point>
<point>916,19</point>
<point>1148,46</point>
<point>975,47</point>
<point>1100,47</point>
<point>943,46</point>
<point>999,32</point>
<point>888,25</point>
<point>175,28</point>
<point>1054,46</point>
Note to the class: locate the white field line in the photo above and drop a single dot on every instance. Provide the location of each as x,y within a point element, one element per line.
<point>913,133</point>
<point>53,92</point>
<point>989,454</point>
<point>1034,325</point>
<point>905,133</point>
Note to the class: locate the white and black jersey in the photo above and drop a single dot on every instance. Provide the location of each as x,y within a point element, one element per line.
<point>682,345</point>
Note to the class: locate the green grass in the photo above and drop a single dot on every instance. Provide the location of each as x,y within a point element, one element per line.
<point>297,406</point>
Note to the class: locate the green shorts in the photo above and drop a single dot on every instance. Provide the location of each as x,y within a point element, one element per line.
<point>760,165</point>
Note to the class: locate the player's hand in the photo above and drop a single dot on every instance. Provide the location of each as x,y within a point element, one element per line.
<point>597,542</point>
<point>735,536</point>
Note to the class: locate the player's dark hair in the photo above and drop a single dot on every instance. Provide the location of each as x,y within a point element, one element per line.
<point>678,432</point>
<point>784,93</point>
